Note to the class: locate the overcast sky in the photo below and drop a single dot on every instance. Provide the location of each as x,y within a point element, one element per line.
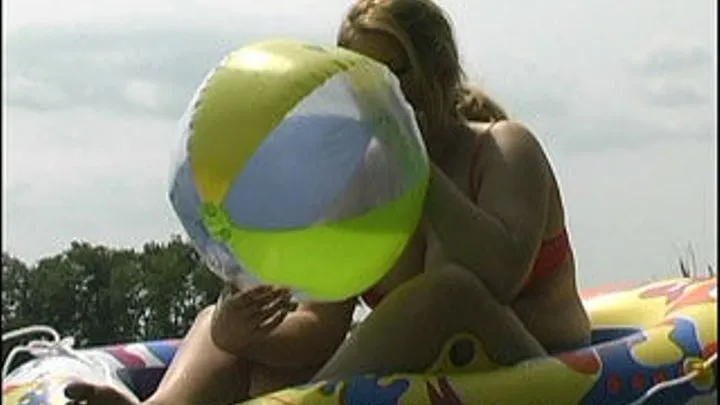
<point>621,93</point>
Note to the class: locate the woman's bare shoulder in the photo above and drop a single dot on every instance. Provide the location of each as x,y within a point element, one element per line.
<point>513,137</point>
<point>506,134</point>
<point>509,141</point>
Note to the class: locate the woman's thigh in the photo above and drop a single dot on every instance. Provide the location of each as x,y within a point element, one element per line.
<point>416,325</point>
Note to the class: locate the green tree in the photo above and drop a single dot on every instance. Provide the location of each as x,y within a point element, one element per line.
<point>15,275</point>
<point>103,295</point>
<point>15,295</point>
<point>107,284</point>
<point>178,286</point>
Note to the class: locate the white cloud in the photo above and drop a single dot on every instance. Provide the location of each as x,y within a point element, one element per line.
<point>621,93</point>
<point>632,212</point>
<point>670,56</point>
<point>40,93</point>
<point>143,93</point>
<point>84,174</point>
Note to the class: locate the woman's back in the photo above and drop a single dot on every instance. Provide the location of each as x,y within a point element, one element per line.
<point>551,308</point>
<point>548,304</point>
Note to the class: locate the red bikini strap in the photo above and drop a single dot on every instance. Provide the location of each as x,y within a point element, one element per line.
<point>552,254</point>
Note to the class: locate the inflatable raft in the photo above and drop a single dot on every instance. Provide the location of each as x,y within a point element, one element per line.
<point>656,344</point>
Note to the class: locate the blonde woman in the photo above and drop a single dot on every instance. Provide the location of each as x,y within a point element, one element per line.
<point>491,270</point>
<point>493,263</point>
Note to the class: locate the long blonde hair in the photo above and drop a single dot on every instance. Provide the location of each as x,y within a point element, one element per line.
<point>426,35</point>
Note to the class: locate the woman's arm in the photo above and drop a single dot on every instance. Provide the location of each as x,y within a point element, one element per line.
<point>498,236</point>
<point>307,337</point>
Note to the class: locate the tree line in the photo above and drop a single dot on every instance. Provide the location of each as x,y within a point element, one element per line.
<point>102,295</point>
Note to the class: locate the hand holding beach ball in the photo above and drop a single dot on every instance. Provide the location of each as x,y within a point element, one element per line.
<point>300,166</point>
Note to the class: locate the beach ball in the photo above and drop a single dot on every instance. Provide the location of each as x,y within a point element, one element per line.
<point>300,166</point>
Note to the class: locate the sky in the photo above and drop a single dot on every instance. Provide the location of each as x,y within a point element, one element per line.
<point>622,94</point>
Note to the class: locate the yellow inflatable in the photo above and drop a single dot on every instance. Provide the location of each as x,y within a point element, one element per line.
<point>655,344</point>
<point>652,345</point>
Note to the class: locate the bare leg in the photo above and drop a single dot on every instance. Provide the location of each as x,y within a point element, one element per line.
<point>408,331</point>
<point>201,373</point>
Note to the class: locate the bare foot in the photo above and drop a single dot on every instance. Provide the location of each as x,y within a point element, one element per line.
<point>90,394</point>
